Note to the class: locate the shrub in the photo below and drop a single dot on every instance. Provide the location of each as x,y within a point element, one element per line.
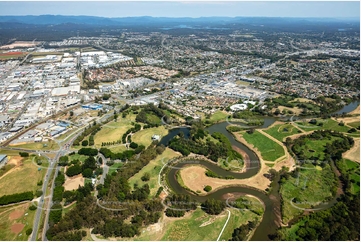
<point>29,231</point>
<point>145,177</point>
<point>207,188</point>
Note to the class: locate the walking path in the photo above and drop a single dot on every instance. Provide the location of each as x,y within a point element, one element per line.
<point>224,226</point>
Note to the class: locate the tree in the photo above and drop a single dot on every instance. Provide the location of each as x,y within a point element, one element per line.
<point>133,145</point>
<point>145,177</point>
<point>207,188</point>
<point>88,173</point>
<point>84,143</point>
<point>29,231</point>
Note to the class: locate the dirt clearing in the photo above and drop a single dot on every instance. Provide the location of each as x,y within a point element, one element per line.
<point>16,228</point>
<point>353,153</point>
<point>73,183</point>
<point>194,178</point>
<point>16,214</point>
<point>15,160</point>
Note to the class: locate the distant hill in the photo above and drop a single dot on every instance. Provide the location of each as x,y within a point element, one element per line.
<point>92,20</point>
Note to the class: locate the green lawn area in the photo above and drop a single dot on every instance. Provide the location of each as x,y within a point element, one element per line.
<point>281,131</point>
<point>117,148</point>
<point>153,119</point>
<point>112,131</point>
<point>6,222</point>
<point>312,187</point>
<point>189,228</point>
<point>115,166</point>
<point>269,149</point>
<point>144,137</point>
<point>153,168</point>
<point>354,124</point>
<point>51,145</point>
<point>315,148</point>
<point>354,171</point>
<point>9,152</point>
<point>76,156</point>
<point>218,116</point>
<point>327,124</point>
<point>22,179</point>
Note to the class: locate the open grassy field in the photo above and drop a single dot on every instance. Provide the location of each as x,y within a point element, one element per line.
<point>77,157</point>
<point>218,116</point>
<point>315,148</point>
<point>281,131</point>
<point>354,124</point>
<point>22,178</point>
<point>144,137</point>
<point>189,228</point>
<point>310,187</point>
<point>354,171</point>
<point>51,145</point>
<point>117,148</point>
<point>153,168</point>
<point>14,221</point>
<point>109,134</point>
<point>269,149</point>
<point>327,124</point>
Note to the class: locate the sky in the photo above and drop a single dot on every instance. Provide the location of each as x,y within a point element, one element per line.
<point>334,9</point>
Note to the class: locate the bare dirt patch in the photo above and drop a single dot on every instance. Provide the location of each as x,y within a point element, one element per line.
<point>194,178</point>
<point>353,153</point>
<point>348,119</point>
<point>73,183</point>
<point>19,44</point>
<point>16,214</point>
<point>15,160</point>
<point>16,228</point>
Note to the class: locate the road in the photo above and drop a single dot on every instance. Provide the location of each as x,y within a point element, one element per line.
<point>62,151</point>
<point>53,165</point>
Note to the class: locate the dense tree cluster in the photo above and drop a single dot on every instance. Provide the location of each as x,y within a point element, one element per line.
<point>241,233</point>
<point>178,204</point>
<point>197,145</point>
<point>24,154</point>
<point>338,223</point>
<point>212,206</point>
<point>88,151</point>
<point>15,198</point>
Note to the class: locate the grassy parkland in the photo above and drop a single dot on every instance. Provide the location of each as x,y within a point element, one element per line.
<point>270,150</point>
<point>281,131</point>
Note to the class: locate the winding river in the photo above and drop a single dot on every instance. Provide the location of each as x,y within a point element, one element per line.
<point>271,217</point>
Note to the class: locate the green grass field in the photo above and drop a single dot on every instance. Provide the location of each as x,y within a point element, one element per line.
<point>51,145</point>
<point>327,124</point>
<point>354,124</point>
<point>113,131</point>
<point>77,157</point>
<point>310,187</point>
<point>22,178</point>
<point>218,116</point>
<point>117,148</point>
<point>144,137</point>
<point>153,168</point>
<point>6,222</point>
<point>281,131</point>
<point>269,149</point>
<point>315,148</point>
<point>189,229</point>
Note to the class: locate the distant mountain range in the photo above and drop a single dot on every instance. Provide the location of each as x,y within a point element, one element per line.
<point>103,21</point>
